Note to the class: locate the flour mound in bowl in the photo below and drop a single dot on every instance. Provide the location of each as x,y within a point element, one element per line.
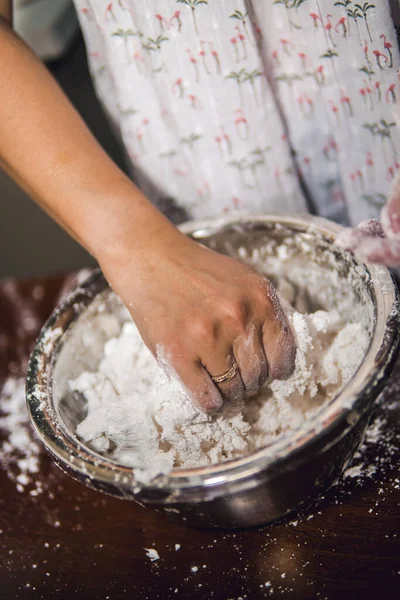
<point>142,418</point>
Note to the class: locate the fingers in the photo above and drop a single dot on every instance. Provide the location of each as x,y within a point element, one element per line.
<point>391,212</point>
<point>250,356</point>
<point>198,385</point>
<point>278,339</point>
<point>371,247</point>
<point>218,363</point>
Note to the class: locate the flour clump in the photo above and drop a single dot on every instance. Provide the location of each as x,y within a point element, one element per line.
<point>141,417</point>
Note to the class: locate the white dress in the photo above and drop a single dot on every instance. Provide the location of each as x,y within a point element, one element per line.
<point>262,105</point>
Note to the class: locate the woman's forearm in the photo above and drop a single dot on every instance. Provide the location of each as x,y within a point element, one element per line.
<point>47,148</point>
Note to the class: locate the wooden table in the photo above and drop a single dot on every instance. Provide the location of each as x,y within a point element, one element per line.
<point>71,542</point>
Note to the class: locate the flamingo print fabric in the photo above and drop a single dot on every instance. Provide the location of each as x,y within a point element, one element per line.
<point>258,106</point>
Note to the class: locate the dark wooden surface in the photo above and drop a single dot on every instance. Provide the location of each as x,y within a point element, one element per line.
<point>71,542</point>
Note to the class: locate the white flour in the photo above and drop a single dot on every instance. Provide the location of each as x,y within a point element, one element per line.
<point>142,418</point>
<point>19,449</point>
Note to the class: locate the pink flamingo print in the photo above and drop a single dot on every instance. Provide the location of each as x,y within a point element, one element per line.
<point>320,75</point>
<point>369,63</point>
<point>139,60</point>
<point>341,23</point>
<point>357,176</point>
<point>277,175</point>
<point>328,29</point>
<point>316,18</point>
<point>218,139</point>
<point>369,93</point>
<point>370,165</point>
<point>162,22</point>
<point>87,13</point>
<point>330,149</point>
<point>227,140</point>
<point>275,57</point>
<point>303,59</point>
<point>242,40</point>
<point>363,94</point>
<point>178,85</point>
<point>334,109</point>
<point>224,142</point>
<point>180,171</point>
<point>215,56</point>
<point>390,94</point>
<point>202,54</point>
<point>388,47</point>
<point>378,55</point>
<point>109,13</point>
<point>345,101</point>
<point>233,41</point>
<point>390,173</point>
<point>193,60</point>
<point>176,18</point>
<point>377,86</point>
<point>194,101</point>
<point>287,46</point>
<point>306,105</point>
<point>241,124</point>
<point>300,102</point>
<point>139,137</point>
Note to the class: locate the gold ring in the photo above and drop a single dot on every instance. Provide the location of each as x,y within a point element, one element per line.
<point>226,376</point>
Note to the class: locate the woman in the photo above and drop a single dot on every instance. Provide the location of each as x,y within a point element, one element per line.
<point>257,106</point>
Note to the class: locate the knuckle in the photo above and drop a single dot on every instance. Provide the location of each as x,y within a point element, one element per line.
<point>283,365</point>
<point>233,310</point>
<point>200,328</point>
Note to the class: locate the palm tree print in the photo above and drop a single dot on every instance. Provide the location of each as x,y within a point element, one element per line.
<point>378,200</point>
<point>364,10</point>
<point>355,15</point>
<point>259,153</point>
<point>288,4</point>
<point>329,54</point>
<point>251,77</point>
<point>154,45</point>
<point>238,77</point>
<point>191,139</point>
<point>367,71</point>
<point>382,129</point>
<point>345,4</point>
<point>242,18</point>
<point>125,34</point>
<point>192,4</point>
<point>241,166</point>
<point>241,77</point>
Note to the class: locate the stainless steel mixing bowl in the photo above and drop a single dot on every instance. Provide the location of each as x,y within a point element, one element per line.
<point>278,478</point>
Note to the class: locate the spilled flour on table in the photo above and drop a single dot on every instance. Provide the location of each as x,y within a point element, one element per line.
<point>19,449</point>
<point>142,418</point>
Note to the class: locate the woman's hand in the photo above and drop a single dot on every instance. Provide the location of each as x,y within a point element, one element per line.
<point>201,312</point>
<point>374,241</point>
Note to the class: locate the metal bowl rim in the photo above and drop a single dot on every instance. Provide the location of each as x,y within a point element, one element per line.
<point>89,463</point>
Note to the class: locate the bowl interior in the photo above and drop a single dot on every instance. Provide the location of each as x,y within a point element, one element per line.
<point>322,276</point>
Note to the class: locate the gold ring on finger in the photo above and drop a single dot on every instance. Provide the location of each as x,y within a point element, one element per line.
<point>226,376</point>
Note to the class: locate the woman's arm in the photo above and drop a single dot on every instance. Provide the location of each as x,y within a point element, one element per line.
<point>197,309</point>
